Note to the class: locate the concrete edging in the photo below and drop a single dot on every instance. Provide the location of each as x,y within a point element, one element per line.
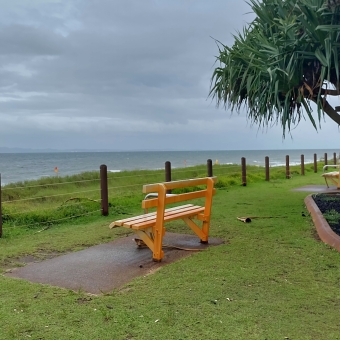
<point>325,232</point>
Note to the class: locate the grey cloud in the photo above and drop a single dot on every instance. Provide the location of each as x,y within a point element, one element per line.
<point>28,41</point>
<point>91,73</point>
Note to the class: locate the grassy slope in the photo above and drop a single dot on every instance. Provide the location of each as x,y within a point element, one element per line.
<point>272,279</point>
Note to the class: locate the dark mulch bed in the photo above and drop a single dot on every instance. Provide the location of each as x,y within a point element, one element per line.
<point>329,205</point>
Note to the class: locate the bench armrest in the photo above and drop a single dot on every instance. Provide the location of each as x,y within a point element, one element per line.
<point>331,165</point>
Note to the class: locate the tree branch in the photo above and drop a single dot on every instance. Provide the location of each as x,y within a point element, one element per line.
<point>330,92</point>
<point>329,110</point>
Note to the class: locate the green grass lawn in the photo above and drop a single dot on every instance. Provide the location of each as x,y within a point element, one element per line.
<point>272,279</point>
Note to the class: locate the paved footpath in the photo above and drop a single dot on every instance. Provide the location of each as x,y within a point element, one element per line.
<point>104,267</point>
<point>316,188</point>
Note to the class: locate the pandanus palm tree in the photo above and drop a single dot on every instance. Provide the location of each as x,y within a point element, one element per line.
<point>285,60</point>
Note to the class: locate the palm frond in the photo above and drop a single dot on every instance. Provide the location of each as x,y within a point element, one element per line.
<point>281,61</point>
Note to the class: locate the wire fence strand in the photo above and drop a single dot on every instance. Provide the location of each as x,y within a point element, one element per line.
<point>161,172</point>
<point>126,186</point>
<point>53,184</point>
<point>48,208</point>
<point>51,221</point>
<point>44,197</point>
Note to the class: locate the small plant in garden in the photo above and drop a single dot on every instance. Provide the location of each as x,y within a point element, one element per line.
<point>332,216</point>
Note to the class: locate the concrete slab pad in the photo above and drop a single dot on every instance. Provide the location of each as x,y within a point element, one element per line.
<point>316,188</point>
<point>101,268</point>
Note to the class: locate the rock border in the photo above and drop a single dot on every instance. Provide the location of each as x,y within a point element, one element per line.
<point>325,232</point>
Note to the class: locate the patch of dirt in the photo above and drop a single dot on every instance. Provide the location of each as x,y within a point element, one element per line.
<point>83,300</point>
<point>329,205</point>
<point>315,235</point>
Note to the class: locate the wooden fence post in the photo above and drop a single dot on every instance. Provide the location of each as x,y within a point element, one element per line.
<point>287,167</point>
<point>326,162</point>
<point>168,174</point>
<point>104,190</point>
<point>0,209</point>
<point>209,168</point>
<point>315,163</point>
<point>302,165</point>
<point>244,173</point>
<point>266,163</point>
<point>334,158</point>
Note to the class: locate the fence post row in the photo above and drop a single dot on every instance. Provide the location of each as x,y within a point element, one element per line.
<point>244,168</point>
<point>244,171</point>
<point>209,168</point>
<point>168,174</point>
<point>287,167</point>
<point>315,164</point>
<point>104,190</point>
<point>266,163</point>
<point>302,165</point>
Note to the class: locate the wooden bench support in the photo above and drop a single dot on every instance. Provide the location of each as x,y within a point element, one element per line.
<point>194,227</point>
<point>150,226</point>
<point>146,236</point>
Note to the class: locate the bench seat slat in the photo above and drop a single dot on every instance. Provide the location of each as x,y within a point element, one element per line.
<point>134,219</point>
<point>174,215</point>
<point>331,174</point>
<point>189,213</point>
<point>151,220</point>
<point>142,221</point>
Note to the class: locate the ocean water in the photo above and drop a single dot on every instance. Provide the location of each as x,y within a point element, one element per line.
<point>15,167</point>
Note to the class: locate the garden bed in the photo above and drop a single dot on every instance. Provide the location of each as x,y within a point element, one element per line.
<point>329,205</point>
<point>325,212</point>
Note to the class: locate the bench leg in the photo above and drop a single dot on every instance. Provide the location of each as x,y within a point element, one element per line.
<point>326,182</point>
<point>203,233</point>
<point>145,238</point>
<point>205,229</point>
<point>153,242</point>
<point>158,253</point>
<point>334,181</point>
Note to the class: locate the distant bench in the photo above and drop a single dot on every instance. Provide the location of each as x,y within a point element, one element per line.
<point>150,226</point>
<point>333,175</point>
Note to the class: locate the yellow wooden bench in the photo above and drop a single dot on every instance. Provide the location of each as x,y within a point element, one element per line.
<point>150,226</point>
<point>333,175</point>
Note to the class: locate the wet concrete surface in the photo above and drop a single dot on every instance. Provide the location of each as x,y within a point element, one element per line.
<point>104,267</point>
<point>316,188</point>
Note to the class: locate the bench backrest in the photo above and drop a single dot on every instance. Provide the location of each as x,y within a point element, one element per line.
<point>163,199</point>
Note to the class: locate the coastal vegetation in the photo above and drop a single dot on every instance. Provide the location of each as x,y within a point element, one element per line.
<point>283,63</point>
<point>31,206</point>
<point>271,279</point>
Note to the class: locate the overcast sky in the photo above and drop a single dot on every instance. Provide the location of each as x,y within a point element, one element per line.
<point>125,75</point>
